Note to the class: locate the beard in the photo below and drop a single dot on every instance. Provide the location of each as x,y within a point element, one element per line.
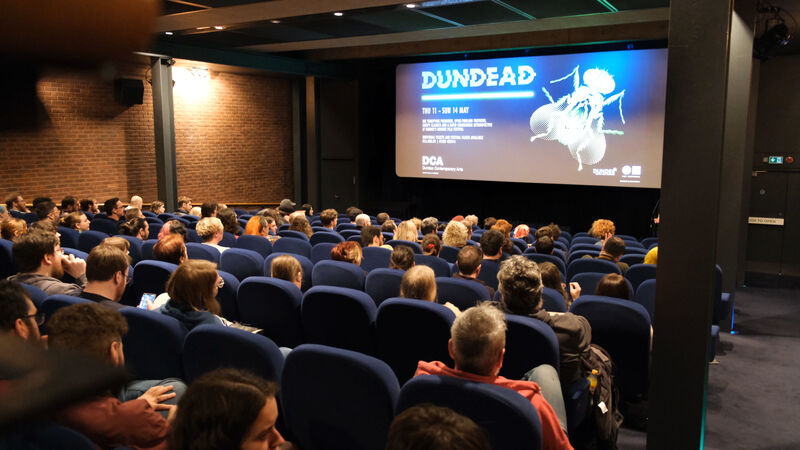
<point>57,271</point>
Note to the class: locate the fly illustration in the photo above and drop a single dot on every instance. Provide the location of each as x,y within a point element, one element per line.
<point>576,119</point>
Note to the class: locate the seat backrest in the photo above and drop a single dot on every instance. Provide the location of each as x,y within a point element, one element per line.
<point>90,239</point>
<point>153,344</point>
<point>202,251</point>
<point>192,236</point>
<point>554,259</point>
<point>375,258</point>
<point>147,249</point>
<point>54,302</point>
<point>104,225</point>
<point>583,239</point>
<point>638,273</point>
<point>583,246</point>
<point>258,244</point>
<point>228,239</point>
<point>226,296</point>
<point>274,306</point>
<point>441,268</point>
<point>648,241</point>
<point>305,263</point>
<point>209,347</point>
<point>463,294</point>
<point>345,226</point>
<point>402,346</point>
<point>632,258</point>
<point>553,301</point>
<point>69,237</point>
<point>383,283</point>
<point>241,263</point>
<point>55,437</point>
<point>449,254</point>
<point>591,265</point>
<point>7,265</point>
<point>135,249</point>
<point>322,251</point>
<point>289,245</point>
<point>76,253</point>
<point>488,273</point>
<point>334,398</point>
<point>339,317</point>
<point>484,404</point>
<point>347,234</point>
<point>520,243</point>
<point>325,236</point>
<point>151,276</point>
<point>155,228</point>
<point>588,281</point>
<point>338,273</point>
<point>529,343</point>
<point>578,254</point>
<point>412,245</point>
<point>632,242</point>
<point>37,295</point>
<point>293,234</point>
<point>623,328</point>
<point>646,296</point>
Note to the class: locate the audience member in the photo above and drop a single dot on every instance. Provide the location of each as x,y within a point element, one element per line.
<point>650,258</point>
<point>352,212</point>
<point>136,202</point>
<point>208,210</point>
<point>381,218</point>
<point>174,227</point>
<point>138,228</point>
<point>551,278</point>
<point>431,244</point>
<point>38,200</point>
<point>89,205</point>
<point>18,314</point>
<point>118,242</point>
<point>184,206</point>
<point>402,258</point>
<point>362,220</point>
<point>544,245</point>
<point>75,221</point>
<point>371,237</point>
<point>13,228</point>
<point>523,232</point>
<point>347,251</point>
<point>612,251</point>
<point>47,210</point>
<point>555,231</point>
<point>192,290</point>
<point>300,223</point>
<point>544,231</point>
<point>614,285</point>
<point>469,267</point>
<point>4,214</point>
<point>15,202</point>
<point>389,227</point>
<point>106,275</point>
<point>328,218</point>
<point>259,226</point>
<point>472,219</point>
<point>286,207</point>
<point>157,207</point>
<point>429,225</point>
<point>196,211</point>
<point>455,235</point>
<point>230,221</point>
<point>477,345</point>
<point>307,209</point>
<point>602,229</point>
<point>133,213</point>
<point>429,427</point>
<point>492,245</point>
<point>228,409</point>
<point>41,262</point>
<point>406,231</point>
<point>211,232</point>
<point>520,283</point>
<point>69,204</point>
<point>46,225</point>
<point>504,227</point>
<point>419,282</point>
<point>170,249</point>
<point>114,209</point>
<point>417,223</point>
<point>287,267</point>
<point>488,223</point>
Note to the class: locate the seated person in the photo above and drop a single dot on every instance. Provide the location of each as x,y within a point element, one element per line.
<point>389,227</point>
<point>402,258</point>
<point>469,267</point>
<point>184,206</point>
<point>136,202</point>
<point>489,222</point>
<point>614,285</point>
<point>381,218</point>
<point>300,223</point>
<point>133,213</point>
<point>259,225</point>
<point>106,276</point>
<point>157,207</point>
<point>18,315</point>
<point>523,232</point>
<point>75,221</point>
<point>551,278</point>
<point>41,262</point>
<point>195,211</point>
<point>192,290</point>
<point>429,225</point>
<point>544,245</point>
<point>471,221</point>
<point>15,202</point>
<point>228,409</point>
<point>429,427</point>
<point>363,220</point>
<point>650,258</point>
<point>89,205</point>
<point>138,228</point>
<point>171,249</point>
<point>431,244</point>
<point>521,285</point>
<point>456,234</point>
<point>372,237</point>
<point>477,345</point>
<point>230,222</point>
<point>492,245</point>
<point>601,230</point>
<point>211,232</point>
<point>347,251</point>
<point>328,218</point>
<point>287,267</point>
<point>308,209</point>
<point>47,211</point>
<point>13,228</point>
<point>130,419</point>
<point>406,231</point>
<point>114,209</point>
<point>612,251</point>
<point>352,212</point>
<point>69,204</point>
<point>208,210</point>
<point>419,282</point>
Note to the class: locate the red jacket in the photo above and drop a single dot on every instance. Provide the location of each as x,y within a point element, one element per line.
<point>553,437</point>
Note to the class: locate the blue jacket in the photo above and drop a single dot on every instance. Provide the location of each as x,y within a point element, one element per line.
<point>189,317</point>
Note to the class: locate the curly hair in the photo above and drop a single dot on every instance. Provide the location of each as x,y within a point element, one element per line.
<point>455,235</point>
<point>601,227</point>
<point>406,231</point>
<point>520,283</point>
<point>347,251</point>
<point>86,327</point>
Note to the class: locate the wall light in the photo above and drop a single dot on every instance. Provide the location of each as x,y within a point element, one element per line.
<point>411,5</point>
<point>192,84</point>
<point>338,14</point>
<point>219,27</point>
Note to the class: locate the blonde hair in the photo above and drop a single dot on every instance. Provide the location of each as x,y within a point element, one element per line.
<point>207,227</point>
<point>13,227</point>
<point>285,267</point>
<point>455,235</point>
<point>406,231</point>
<point>419,282</point>
<point>479,335</point>
<point>601,227</point>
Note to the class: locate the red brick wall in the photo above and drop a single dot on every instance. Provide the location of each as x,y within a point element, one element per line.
<point>233,143</point>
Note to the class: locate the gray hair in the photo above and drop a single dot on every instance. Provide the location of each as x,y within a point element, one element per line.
<point>520,283</point>
<point>479,335</point>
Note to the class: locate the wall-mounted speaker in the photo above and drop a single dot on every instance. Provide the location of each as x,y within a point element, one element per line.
<point>128,91</point>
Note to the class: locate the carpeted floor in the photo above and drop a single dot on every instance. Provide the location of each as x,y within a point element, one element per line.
<point>753,402</point>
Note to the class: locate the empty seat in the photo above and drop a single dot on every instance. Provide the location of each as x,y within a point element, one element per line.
<point>347,234</point>
<point>338,273</point>
<point>529,343</point>
<point>305,263</point>
<point>296,246</point>
<point>648,241</point>
<point>321,251</point>
<point>135,249</point>
<point>383,283</point>
<point>7,265</point>
<point>375,258</point>
<point>583,239</point>
<point>54,302</point>
<point>325,236</point>
<point>646,296</point>
<point>520,243</point>
<point>591,265</point>
<point>274,306</point>
<point>441,268</point>
<point>69,237</point>
<point>89,239</point>
<point>103,225</point>
<point>632,258</point>
<point>578,254</point>
<point>345,226</point>
<point>413,245</point>
<point>241,263</point>
<point>339,317</point>
<point>463,294</point>
<point>155,229</point>
<point>202,251</point>
<point>293,234</point>
<point>638,273</point>
<point>449,254</point>
<point>151,276</point>
<point>147,248</point>
<point>257,244</point>
<point>153,344</point>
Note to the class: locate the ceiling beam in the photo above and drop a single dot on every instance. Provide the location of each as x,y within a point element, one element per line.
<point>256,12</point>
<point>549,31</point>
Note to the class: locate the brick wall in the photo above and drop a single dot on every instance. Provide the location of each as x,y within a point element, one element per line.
<point>233,140</point>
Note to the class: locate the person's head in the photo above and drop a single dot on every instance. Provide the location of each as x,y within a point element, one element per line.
<point>90,328</point>
<point>520,283</point>
<point>472,219</point>
<point>287,267</point>
<point>431,244</point>
<point>47,210</point>
<point>328,218</point>
<point>300,223</point>
<point>114,208</point>
<point>455,235</point>
<point>417,222</point>
<point>478,340</point>
<point>556,230</point>
<point>18,314</point>
<point>108,265</point>
<point>12,228</point>
<point>257,226</point>
<point>419,282</point>
<point>488,222</point>
<point>229,219</point>
<point>543,231</point>
<point>45,225</point>
<point>136,202</point>
<point>76,221</point>
<point>87,205</point>
<point>544,245</point>
<point>133,213</point>
<point>193,286</point>
<point>601,228</point>
<point>286,206</point>
<point>352,212</point>
<point>406,231</point>
<point>307,209</point>
<point>38,249</point>
<point>551,278</point>
<point>208,210</point>
<point>175,226</point>
<point>69,204</point>
<point>227,408</point>
<point>402,258</point>
<point>429,427</point>
<point>371,236</point>
<point>184,203</point>
<point>650,258</point>
<point>119,242</point>
<point>362,220</point>
<point>14,200</point>
<point>135,227</point>
<point>157,207</point>
<point>504,227</point>
<point>429,225</point>
<point>613,285</point>
<point>381,218</point>
<point>195,211</point>
<point>469,260</point>
<point>389,226</point>
<point>347,251</point>
<point>210,229</point>
<point>492,243</point>
<point>171,249</point>
<point>38,200</point>
<point>614,247</point>
<point>522,231</point>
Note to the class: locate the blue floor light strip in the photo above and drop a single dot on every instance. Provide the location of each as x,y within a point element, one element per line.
<point>478,96</point>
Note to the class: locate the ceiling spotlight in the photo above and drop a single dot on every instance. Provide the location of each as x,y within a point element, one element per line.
<point>219,27</point>
<point>168,33</point>
<point>338,14</point>
<point>411,5</point>
<point>275,21</point>
<point>203,28</point>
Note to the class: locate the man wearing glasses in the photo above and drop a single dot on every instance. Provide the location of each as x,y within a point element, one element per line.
<point>114,209</point>
<point>18,315</point>
<point>41,262</point>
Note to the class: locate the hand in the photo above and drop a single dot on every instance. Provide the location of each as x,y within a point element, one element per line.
<point>73,266</point>
<point>575,290</point>
<point>157,394</point>
<point>657,220</point>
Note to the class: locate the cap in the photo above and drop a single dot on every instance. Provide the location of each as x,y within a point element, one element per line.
<point>287,205</point>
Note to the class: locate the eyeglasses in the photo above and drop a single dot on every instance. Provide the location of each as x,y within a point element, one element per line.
<point>220,283</point>
<point>38,317</point>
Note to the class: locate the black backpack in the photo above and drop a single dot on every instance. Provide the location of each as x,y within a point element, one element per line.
<point>605,400</point>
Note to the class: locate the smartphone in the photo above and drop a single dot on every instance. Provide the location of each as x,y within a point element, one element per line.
<point>147,299</point>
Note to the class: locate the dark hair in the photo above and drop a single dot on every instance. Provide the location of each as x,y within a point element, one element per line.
<point>13,304</point>
<point>86,204</point>
<point>431,244</point>
<point>352,212</point>
<point>307,208</point>
<point>554,228</point>
<point>229,220</point>
<point>170,249</point>
<point>218,410</point>
<point>45,225</point>
<point>347,251</point>
<point>551,278</point>
<point>109,205</point>
<point>543,231</point>
<point>177,227</point>
<point>402,258</point>
<point>544,244</point>
<point>429,427</point>
<point>43,209</point>
<point>11,198</point>
<point>87,327</point>
<point>29,249</point>
<point>133,227</point>
<point>469,258</point>
<point>68,201</point>
<point>488,223</point>
<point>104,261</point>
<point>614,246</point>
<point>38,200</point>
<point>381,217</point>
<point>327,217</point>
<point>492,242</point>
<point>368,233</point>
<point>613,285</point>
<point>389,226</point>
<point>429,225</point>
<point>155,205</point>
<point>208,209</point>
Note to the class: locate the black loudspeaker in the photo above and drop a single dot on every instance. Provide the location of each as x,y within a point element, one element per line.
<point>128,91</point>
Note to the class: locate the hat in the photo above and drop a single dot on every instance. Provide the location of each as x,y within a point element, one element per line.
<point>287,205</point>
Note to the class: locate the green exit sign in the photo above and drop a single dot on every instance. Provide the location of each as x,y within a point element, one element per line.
<point>776,159</point>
